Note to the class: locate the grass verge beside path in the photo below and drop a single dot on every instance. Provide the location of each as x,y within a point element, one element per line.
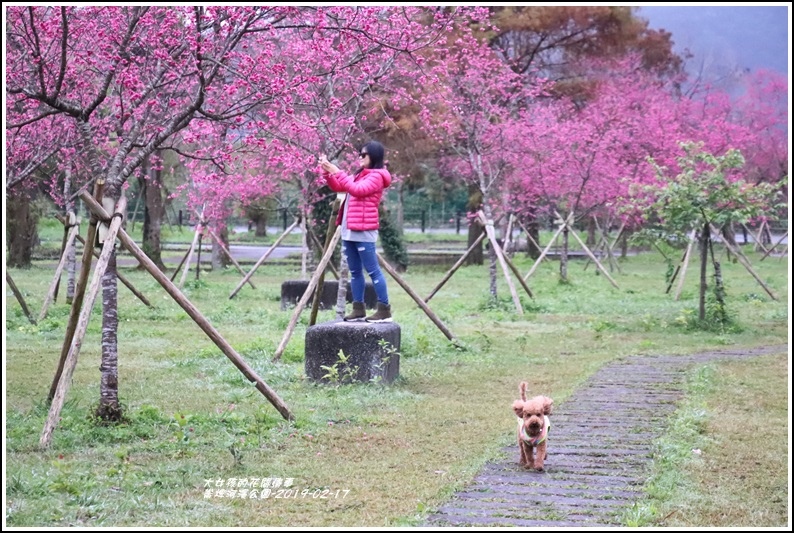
<point>380,456</point>
<point>725,460</point>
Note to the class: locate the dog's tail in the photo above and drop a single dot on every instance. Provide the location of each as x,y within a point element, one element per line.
<point>523,390</point>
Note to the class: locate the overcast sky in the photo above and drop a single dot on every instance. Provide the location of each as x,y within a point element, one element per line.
<point>726,36</point>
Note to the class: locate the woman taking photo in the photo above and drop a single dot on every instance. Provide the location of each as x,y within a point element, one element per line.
<point>359,219</point>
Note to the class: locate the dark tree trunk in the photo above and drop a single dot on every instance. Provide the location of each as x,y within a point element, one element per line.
<point>704,256</point>
<point>472,206</point>
<point>624,244</point>
<point>219,258</point>
<point>21,229</point>
<point>400,216</point>
<point>719,288</point>
<point>591,233</point>
<point>153,213</point>
<point>730,237</point>
<point>533,227</point>
<point>492,270</point>
<point>109,409</point>
<point>260,225</point>
<point>476,255</point>
<point>564,256</point>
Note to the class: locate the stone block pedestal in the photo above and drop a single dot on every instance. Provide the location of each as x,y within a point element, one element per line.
<point>366,358</point>
<point>292,291</point>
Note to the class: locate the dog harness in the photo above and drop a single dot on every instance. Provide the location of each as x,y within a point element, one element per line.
<point>537,440</point>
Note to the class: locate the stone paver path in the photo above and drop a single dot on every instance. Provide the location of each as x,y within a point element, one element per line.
<point>599,450</point>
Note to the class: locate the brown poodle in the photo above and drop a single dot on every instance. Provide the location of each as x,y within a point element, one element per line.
<point>533,427</point>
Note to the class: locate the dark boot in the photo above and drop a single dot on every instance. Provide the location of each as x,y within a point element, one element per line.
<point>382,314</point>
<point>358,313</point>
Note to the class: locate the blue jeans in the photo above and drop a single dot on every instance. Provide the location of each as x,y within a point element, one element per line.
<point>363,255</point>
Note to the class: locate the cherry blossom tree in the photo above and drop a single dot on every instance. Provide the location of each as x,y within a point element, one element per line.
<point>580,156</point>
<point>204,82</point>
<point>476,107</point>
<point>763,111</point>
<point>708,192</point>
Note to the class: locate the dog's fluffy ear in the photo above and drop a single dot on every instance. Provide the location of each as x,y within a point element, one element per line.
<point>547,403</point>
<point>518,408</point>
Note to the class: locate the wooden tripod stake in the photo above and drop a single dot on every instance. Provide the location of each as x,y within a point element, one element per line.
<point>587,251</point>
<point>565,223</point>
<point>307,293</point>
<point>196,234</point>
<point>195,314</point>
<point>73,231</point>
<point>262,259</point>
<point>329,237</point>
<point>79,293</point>
<point>388,268</point>
<point>488,224</point>
<point>85,313</point>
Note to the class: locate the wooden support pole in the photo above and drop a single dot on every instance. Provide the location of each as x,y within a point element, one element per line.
<point>677,268</point>
<point>604,243</point>
<point>759,239</point>
<point>545,251</point>
<point>518,276</point>
<point>190,251</point>
<point>773,247</point>
<point>262,259</point>
<point>58,270</point>
<point>197,317</point>
<point>79,291</point>
<point>687,255</point>
<point>437,321</point>
<point>598,248</point>
<point>329,237</point>
<point>198,254</point>
<point>321,246</point>
<point>720,236</point>
<point>508,240</point>
<point>179,266</point>
<point>64,248</point>
<point>500,256</point>
<point>755,238</point>
<point>225,250</point>
<point>746,264</point>
<point>119,275</point>
<point>590,254</point>
<point>595,260</point>
<point>305,298</point>
<point>456,266</point>
<point>137,203</point>
<point>529,238</point>
<point>658,249</point>
<point>70,362</point>
<point>127,283</point>
<point>20,298</point>
<point>610,247</point>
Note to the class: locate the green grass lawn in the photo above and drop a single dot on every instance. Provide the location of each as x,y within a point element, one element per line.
<point>380,455</point>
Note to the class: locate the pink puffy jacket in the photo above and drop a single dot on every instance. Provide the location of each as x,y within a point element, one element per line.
<point>365,191</point>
